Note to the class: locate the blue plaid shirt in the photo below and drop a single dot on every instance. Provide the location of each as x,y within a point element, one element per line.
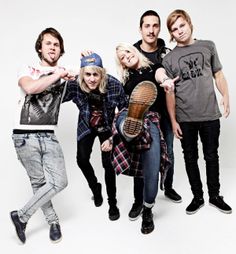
<point>114,97</point>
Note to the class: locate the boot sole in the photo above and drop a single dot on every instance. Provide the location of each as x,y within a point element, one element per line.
<point>142,97</point>
<point>56,241</point>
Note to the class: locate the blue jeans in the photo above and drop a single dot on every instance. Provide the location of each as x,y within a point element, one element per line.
<point>209,132</point>
<point>169,139</point>
<point>150,162</point>
<point>42,157</point>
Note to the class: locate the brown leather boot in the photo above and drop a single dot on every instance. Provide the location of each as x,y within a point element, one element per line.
<point>142,97</point>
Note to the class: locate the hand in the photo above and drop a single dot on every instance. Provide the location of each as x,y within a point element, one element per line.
<point>66,74</point>
<point>225,103</point>
<point>106,146</point>
<point>86,52</point>
<point>177,130</point>
<point>169,84</point>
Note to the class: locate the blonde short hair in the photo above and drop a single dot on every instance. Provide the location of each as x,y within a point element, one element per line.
<point>173,16</point>
<point>123,71</point>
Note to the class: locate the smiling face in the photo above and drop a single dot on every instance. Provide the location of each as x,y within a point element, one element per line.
<point>128,59</point>
<point>50,50</point>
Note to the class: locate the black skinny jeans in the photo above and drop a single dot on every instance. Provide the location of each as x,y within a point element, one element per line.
<point>84,150</point>
<point>209,132</point>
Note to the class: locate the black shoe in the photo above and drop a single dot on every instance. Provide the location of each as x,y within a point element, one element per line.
<point>147,223</point>
<point>219,203</point>
<point>113,212</point>
<point>19,226</point>
<point>55,233</point>
<point>173,195</point>
<point>135,211</point>
<point>97,195</point>
<point>195,205</point>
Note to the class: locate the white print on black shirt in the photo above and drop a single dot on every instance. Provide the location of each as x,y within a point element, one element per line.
<point>42,108</point>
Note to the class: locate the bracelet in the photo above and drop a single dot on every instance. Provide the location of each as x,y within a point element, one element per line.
<point>111,140</point>
<point>164,79</point>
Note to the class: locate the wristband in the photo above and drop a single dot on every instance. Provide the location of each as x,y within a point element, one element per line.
<point>164,79</point>
<point>111,140</point>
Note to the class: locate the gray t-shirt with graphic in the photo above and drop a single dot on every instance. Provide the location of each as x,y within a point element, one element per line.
<point>195,95</point>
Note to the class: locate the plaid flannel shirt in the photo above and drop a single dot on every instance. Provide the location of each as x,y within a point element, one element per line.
<point>126,155</point>
<point>114,97</point>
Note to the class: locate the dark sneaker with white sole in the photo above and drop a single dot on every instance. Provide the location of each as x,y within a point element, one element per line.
<point>19,226</point>
<point>195,205</point>
<point>55,233</point>
<point>219,203</point>
<point>173,195</point>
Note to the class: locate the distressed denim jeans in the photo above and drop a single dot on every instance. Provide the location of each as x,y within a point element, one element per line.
<point>42,157</point>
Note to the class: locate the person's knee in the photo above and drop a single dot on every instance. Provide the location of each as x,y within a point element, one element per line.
<point>82,160</point>
<point>60,184</point>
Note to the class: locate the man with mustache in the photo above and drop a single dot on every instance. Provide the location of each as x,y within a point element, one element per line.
<point>154,49</point>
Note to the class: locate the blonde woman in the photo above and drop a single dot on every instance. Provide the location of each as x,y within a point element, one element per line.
<point>146,150</point>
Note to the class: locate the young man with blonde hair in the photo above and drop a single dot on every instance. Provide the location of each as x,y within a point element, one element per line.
<point>193,107</point>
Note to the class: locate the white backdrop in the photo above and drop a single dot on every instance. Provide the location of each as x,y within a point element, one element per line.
<point>100,26</point>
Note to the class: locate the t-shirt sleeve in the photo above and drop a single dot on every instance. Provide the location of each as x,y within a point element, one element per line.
<point>166,66</point>
<point>24,71</point>
<point>215,60</point>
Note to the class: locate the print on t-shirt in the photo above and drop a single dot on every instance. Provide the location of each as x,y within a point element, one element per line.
<point>42,108</point>
<point>191,65</point>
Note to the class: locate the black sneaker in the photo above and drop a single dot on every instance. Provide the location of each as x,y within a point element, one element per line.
<point>147,223</point>
<point>219,203</point>
<point>55,233</point>
<point>173,195</point>
<point>19,226</point>
<point>135,211</point>
<point>195,205</point>
<point>113,212</point>
<point>97,195</point>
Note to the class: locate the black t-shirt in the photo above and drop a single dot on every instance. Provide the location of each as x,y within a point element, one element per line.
<point>137,76</point>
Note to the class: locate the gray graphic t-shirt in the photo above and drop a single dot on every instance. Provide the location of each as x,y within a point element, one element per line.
<point>195,65</point>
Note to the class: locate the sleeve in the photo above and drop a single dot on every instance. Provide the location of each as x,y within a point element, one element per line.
<point>71,91</point>
<point>215,61</point>
<point>123,102</point>
<point>167,67</point>
<point>24,70</point>
<point>119,91</point>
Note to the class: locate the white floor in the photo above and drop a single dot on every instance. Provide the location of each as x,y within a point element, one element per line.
<point>87,229</point>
